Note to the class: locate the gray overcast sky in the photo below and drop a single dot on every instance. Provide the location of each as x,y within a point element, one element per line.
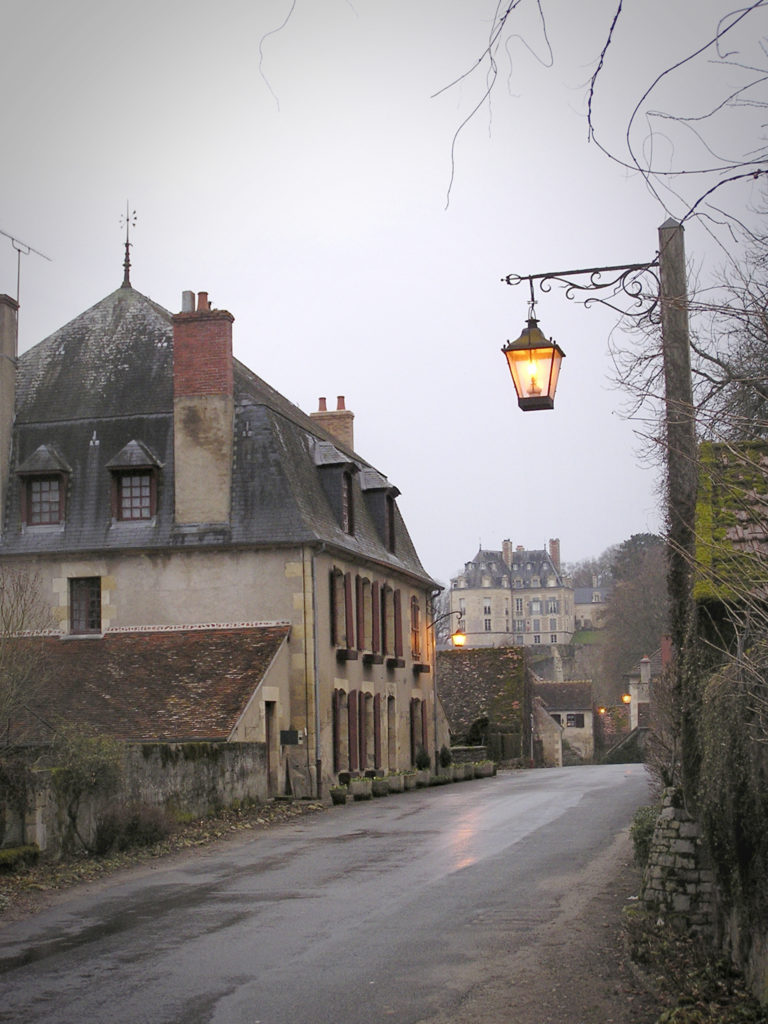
<point>300,176</point>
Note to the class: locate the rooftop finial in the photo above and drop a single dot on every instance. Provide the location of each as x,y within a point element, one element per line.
<point>129,219</point>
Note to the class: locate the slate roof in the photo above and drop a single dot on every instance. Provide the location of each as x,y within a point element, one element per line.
<point>153,686</point>
<point>526,564</point>
<point>575,695</point>
<point>100,389</point>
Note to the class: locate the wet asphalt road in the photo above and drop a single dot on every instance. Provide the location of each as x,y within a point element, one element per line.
<point>371,912</point>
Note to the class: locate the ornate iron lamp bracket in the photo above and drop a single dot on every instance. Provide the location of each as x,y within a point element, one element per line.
<point>639,282</point>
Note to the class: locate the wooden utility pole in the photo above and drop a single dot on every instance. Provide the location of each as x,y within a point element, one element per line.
<point>682,469</point>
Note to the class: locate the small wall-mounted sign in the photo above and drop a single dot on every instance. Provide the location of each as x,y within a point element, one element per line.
<point>289,737</point>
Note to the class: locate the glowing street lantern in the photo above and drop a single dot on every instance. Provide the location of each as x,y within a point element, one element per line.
<point>534,364</point>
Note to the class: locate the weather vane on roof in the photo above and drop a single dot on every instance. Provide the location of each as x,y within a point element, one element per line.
<point>129,220</point>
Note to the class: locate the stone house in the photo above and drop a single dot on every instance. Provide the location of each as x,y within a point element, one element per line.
<point>514,597</point>
<point>216,563</point>
<point>570,705</point>
<point>591,604</point>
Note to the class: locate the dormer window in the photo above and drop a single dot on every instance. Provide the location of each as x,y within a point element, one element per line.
<point>134,483</point>
<point>347,504</point>
<point>44,500</point>
<point>336,471</point>
<point>380,496</point>
<point>43,487</point>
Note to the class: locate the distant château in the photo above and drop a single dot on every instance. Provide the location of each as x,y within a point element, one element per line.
<point>516,596</point>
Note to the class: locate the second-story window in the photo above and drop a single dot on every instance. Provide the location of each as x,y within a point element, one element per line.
<point>415,628</point>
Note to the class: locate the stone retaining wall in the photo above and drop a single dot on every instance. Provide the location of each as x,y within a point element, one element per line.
<point>678,883</point>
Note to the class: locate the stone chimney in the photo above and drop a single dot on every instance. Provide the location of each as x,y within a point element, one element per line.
<point>203,411</point>
<point>645,671</point>
<point>338,423</point>
<point>554,552</point>
<point>9,309</point>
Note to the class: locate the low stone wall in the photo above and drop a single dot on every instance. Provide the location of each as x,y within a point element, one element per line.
<point>183,778</point>
<point>468,755</point>
<point>678,883</point>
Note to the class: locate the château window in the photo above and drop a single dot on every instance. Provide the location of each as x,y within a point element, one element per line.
<point>553,638</point>
<point>85,604</point>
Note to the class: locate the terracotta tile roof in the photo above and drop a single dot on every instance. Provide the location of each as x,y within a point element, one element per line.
<point>176,685</point>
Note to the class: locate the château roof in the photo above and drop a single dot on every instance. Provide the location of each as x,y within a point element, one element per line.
<point>526,565</point>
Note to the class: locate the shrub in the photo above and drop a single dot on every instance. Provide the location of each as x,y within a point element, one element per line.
<point>13,858</point>
<point>641,831</point>
<point>446,757</point>
<point>423,760</point>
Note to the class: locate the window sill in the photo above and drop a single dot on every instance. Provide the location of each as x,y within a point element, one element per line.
<point>420,667</point>
<point>372,659</point>
<point>346,654</point>
<point>395,662</point>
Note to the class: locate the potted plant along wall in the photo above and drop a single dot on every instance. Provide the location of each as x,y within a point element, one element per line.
<point>339,794</point>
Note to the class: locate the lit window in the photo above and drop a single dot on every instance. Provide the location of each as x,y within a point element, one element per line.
<point>85,604</point>
<point>415,628</point>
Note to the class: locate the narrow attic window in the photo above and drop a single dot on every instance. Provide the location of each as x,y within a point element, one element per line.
<point>134,483</point>
<point>347,504</point>
<point>389,522</point>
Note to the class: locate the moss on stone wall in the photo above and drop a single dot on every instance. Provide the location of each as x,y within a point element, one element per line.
<point>733,791</point>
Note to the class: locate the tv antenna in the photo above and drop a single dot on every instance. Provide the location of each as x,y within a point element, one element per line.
<point>22,249</point>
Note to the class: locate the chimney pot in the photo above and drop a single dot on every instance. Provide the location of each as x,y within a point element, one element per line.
<point>202,302</point>
<point>340,403</point>
<point>321,405</point>
<point>187,302</point>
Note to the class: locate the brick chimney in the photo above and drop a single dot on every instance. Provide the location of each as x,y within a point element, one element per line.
<point>8,352</point>
<point>203,411</point>
<point>506,552</point>
<point>338,423</point>
<point>554,552</point>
